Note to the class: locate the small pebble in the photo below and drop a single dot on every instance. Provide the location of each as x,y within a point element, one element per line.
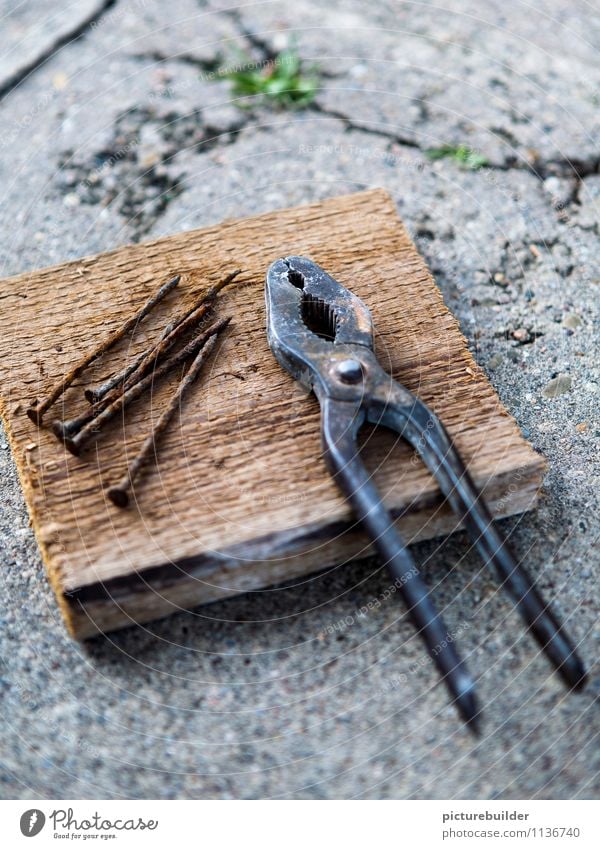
<point>494,361</point>
<point>572,321</point>
<point>557,386</point>
<point>552,185</point>
<point>581,427</point>
<point>60,81</point>
<point>359,71</point>
<point>71,199</point>
<point>521,334</point>
<point>149,160</point>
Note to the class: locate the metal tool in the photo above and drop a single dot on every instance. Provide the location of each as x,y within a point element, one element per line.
<point>322,335</point>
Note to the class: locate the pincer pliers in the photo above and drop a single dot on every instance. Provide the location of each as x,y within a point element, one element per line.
<point>322,335</point>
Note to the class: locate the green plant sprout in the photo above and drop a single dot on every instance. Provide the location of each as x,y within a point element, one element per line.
<point>465,156</point>
<point>281,81</point>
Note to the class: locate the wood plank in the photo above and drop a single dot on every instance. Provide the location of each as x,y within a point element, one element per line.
<point>240,498</point>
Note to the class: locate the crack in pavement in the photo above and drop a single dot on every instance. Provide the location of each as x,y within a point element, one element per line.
<point>351,124</point>
<point>78,30</point>
<point>156,56</point>
<point>252,38</point>
<point>575,168</point>
<point>269,54</point>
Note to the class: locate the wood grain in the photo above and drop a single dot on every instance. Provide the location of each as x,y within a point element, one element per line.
<point>240,498</point>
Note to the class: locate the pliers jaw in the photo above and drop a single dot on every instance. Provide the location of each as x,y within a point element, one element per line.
<point>300,295</point>
<point>322,335</point>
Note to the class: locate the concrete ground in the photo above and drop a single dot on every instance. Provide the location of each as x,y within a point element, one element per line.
<point>115,129</point>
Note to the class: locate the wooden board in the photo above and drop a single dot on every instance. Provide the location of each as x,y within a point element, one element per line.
<point>240,498</point>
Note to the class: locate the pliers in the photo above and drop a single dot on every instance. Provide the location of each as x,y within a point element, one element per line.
<point>322,335</point>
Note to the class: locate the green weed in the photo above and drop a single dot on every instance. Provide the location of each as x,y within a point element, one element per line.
<point>282,82</point>
<point>465,156</point>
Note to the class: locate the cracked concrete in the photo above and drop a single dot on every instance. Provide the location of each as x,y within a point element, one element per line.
<point>37,32</point>
<point>137,172</point>
<point>522,92</point>
<point>127,132</point>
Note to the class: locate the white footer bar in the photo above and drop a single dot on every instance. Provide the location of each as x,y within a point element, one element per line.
<point>301,824</point>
